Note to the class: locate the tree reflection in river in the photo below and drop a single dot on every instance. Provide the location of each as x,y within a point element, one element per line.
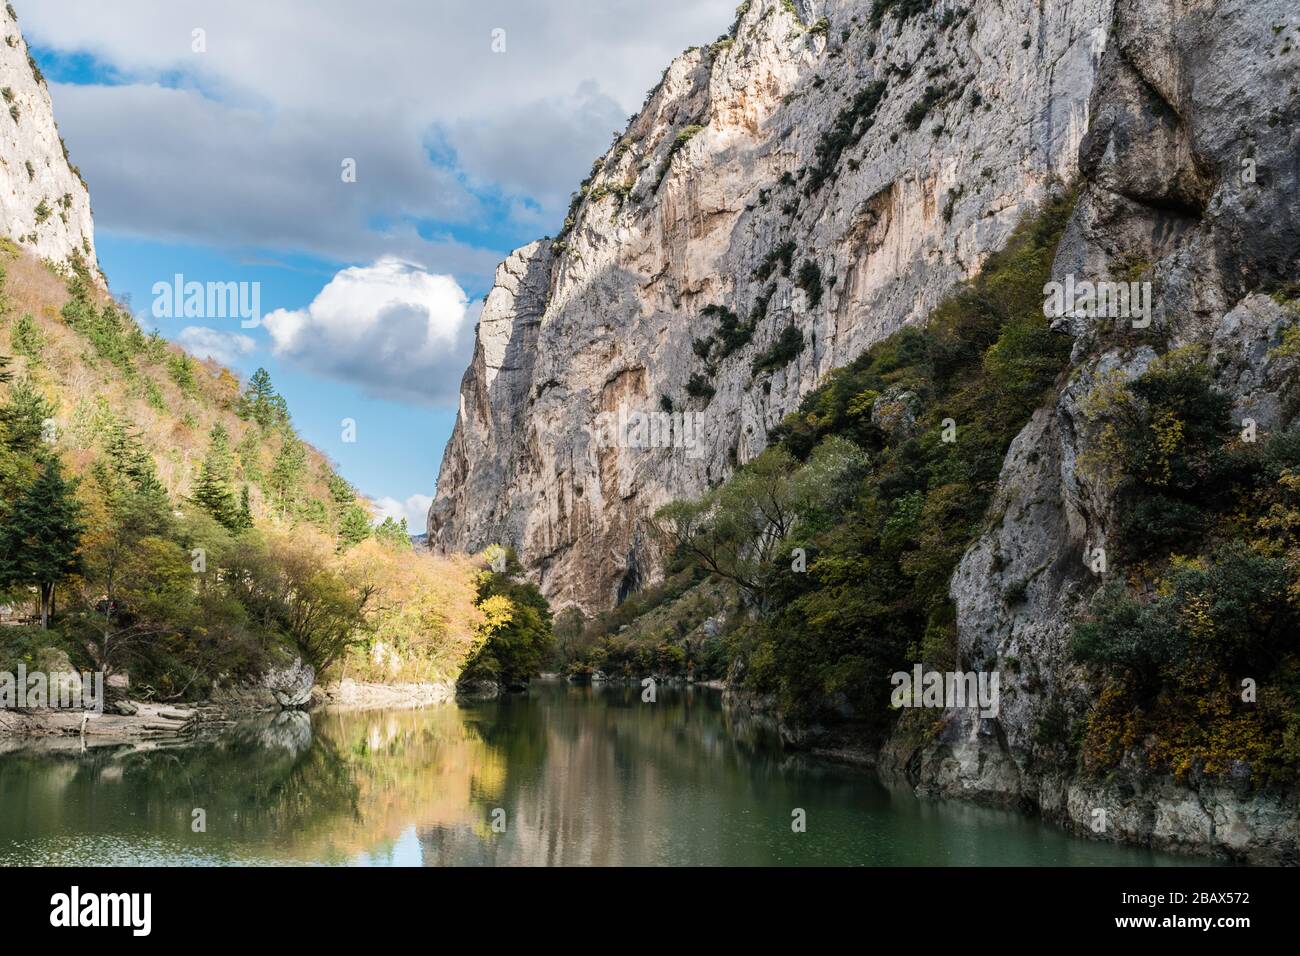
<point>583,776</point>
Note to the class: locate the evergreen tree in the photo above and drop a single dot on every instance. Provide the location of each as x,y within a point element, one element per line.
<point>27,338</point>
<point>245,518</point>
<point>213,489</point>
<point>354,527</point>
<point>40,538</point>
<point>287,474</point>
<point>127,462</point>
<point>260,401</point>
<point>341,492</point>
<point>23,418</point>
<point>394,534</point>
<point>22,445</point>
<point>249,452</point>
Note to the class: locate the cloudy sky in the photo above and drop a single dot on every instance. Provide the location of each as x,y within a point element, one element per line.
<point>215,135</point>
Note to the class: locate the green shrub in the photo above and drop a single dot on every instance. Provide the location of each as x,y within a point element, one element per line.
<point>782,256</point>
<point>781,352</point>
<point>684,136</point>
<point>810,280</point>
<point>699,387</point>
<point>851,124</point>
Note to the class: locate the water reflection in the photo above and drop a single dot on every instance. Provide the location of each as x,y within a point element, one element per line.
<point>580,775</point>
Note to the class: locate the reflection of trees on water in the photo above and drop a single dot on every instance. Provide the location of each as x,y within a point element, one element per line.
<point>584,775</point>
<point>570,767</point>
<point>254,783</point>
<point>583,762</point>
<point>290,786</point>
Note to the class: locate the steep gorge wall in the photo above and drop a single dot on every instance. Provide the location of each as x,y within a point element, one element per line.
<point>982,108</point>
<point>1192,164</point>
<point>44,203</point>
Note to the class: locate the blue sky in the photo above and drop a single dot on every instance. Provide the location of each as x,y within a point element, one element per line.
<point>213,136</point>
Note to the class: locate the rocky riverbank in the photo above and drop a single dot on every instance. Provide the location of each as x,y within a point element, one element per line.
<point>131,721</point>
<point>1225,820</point>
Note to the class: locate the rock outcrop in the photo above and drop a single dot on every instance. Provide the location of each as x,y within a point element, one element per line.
<point>819,171</point>
<point>837,177</point>
<point>292,684</point>
<point>1191,168</point>
<point>44,205</point>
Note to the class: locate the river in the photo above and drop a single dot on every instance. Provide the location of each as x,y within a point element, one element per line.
<point>561,776</point>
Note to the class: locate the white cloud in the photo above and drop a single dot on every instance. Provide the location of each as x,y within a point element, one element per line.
<point>393,328</point>
<point>414,509</point>
<point>571,130</point>
<point>248,148</point>
<point>224,347</point>
<point>242,177</point>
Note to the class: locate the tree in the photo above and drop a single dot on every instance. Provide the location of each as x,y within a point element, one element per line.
<point>517,622</point>
<point>27,338</point>
<point>22,426</point>
<point>213,489</point>
<point>354,526</point>
<point>395,534</point>
<point>40,538</point>
<point>261,402</point>
<point>245,517</point>
<point>737,530</point>
<point>288,473</point>
<point>320,610</point>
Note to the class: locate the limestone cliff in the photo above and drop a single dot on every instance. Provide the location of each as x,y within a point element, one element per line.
<point>832,166</point>
<point>1191,166</point>
<point>44,205</point>
<point>835,168</point>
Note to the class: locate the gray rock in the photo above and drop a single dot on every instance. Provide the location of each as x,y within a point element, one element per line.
<point>895,412</point>
<point>606,320</point>
<point>292,685</point>
<point>31,142</point>
<point>1163,162</point>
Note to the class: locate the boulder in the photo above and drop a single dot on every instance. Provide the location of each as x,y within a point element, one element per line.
<point>291,686</point>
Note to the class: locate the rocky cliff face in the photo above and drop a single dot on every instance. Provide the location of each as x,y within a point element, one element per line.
<point>44,205</point>
<point>819,169</point>
<point>839,177</point>
<point>1191,166</point>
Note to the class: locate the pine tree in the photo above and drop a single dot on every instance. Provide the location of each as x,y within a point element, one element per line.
<point>245,518</point>
<point>249,452</point>
<point>22,437</point>
<point>394,534</point>
<point>40,538</point>
<point>129,485</point>
<point>23,418</point>
<point>260,401</point>
<point>27,338</point>
<point>128,464</point>
<point>213,489</point>
<point>341,492</point>
<point>354,527</point>
<point>287,474</point>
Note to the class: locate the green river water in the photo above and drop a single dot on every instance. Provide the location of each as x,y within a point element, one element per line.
<point>560,775</point>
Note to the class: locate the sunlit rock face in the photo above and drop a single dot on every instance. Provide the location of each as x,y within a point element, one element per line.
<point>838,177</point>
<point>44,204</point>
